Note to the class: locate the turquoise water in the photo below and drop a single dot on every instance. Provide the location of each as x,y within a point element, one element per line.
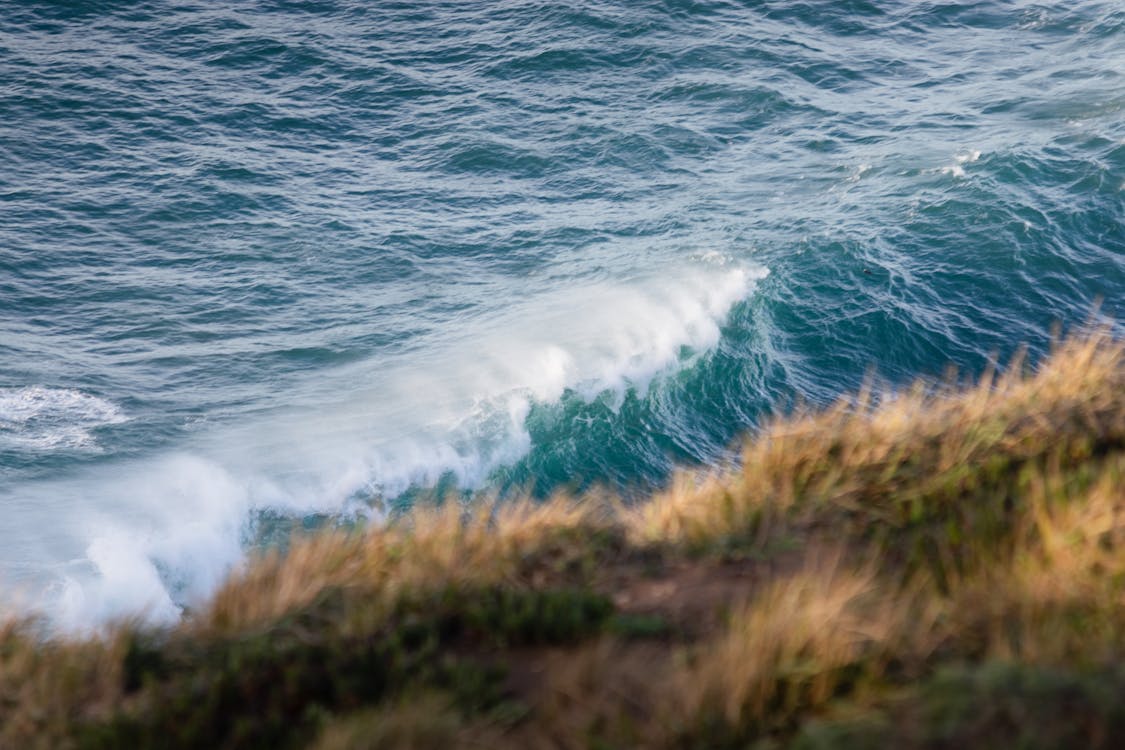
<point>302,261</point>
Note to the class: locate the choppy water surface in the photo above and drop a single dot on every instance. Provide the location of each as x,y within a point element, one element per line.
<point>296,259</point>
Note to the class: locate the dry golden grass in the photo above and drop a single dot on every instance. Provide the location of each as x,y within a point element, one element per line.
<point>421,722</point>
<point>888,463</point>
<point>46,687</point>
<point>433,546</point>
<point>1060,599</point>
<point>787,650</point>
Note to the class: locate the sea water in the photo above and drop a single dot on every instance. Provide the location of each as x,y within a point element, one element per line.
<point>267,266</point>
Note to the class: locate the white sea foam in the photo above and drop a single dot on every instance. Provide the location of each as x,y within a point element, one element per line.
<point>859,172</point>
<point>165,534</point>
<point>162,533</point>
<point>957,169</point>
<point>38,418</point>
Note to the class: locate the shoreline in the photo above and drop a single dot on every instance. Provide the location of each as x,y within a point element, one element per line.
<point>940,568</point>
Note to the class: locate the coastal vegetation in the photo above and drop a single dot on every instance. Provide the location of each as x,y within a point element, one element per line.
<point>934,568</point>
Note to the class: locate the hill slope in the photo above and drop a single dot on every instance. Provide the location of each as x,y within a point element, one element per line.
<point>945,568</point>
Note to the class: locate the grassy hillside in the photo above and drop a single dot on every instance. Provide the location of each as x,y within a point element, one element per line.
<point>941,569</point>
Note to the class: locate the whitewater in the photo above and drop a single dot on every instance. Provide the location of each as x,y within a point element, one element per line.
<point>269,269</point>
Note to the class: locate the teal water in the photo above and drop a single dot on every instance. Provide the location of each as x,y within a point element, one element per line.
<point>299,261</point>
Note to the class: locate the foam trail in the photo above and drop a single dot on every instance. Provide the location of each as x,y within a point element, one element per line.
<point>43,419</point>
<point>163,532</point>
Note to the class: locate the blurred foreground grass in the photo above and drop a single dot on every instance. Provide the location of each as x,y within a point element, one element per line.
<point>942,568</point>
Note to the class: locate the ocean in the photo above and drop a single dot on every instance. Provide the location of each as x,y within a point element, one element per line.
<point>271,266</point>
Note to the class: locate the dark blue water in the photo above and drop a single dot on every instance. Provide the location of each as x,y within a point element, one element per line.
<point>307,259</point>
